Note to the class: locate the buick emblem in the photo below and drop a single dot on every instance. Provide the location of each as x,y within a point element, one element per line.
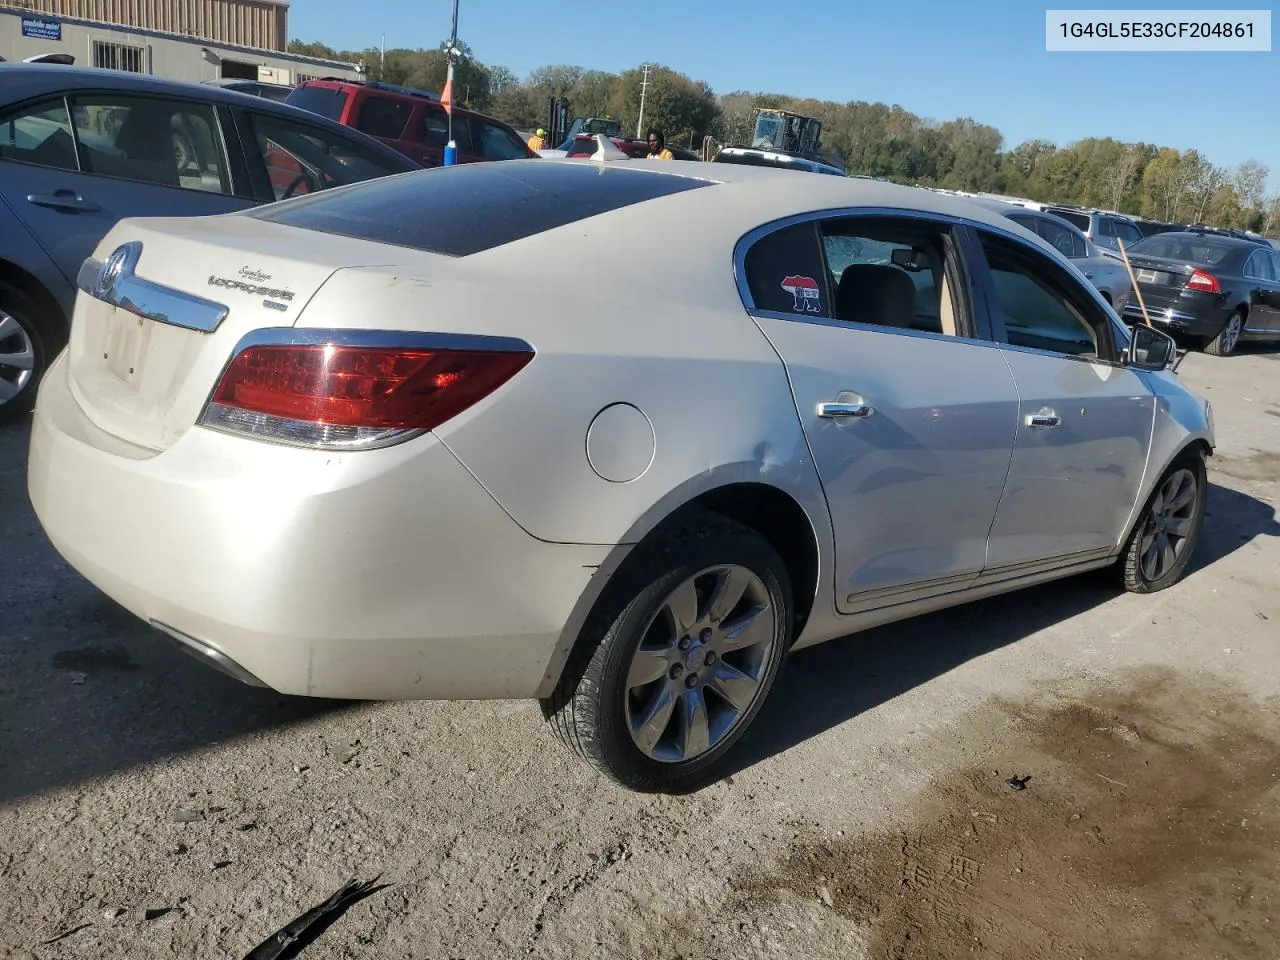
<point>111,270</point>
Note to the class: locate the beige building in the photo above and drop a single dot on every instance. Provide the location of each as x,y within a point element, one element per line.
<point>193,40</point>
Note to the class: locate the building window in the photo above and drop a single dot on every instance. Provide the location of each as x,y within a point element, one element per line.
<point>117,56</point>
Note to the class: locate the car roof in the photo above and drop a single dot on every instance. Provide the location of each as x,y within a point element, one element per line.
<point>376,89</point>
<point>1012,209</point>
<point>1226,238</point>
<point>25,81</point>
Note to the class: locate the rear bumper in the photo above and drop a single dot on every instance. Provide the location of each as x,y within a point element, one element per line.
<point>1205,323</point>
<point>386,574</point>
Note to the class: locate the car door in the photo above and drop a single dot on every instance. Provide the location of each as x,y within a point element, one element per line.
<point>1264,292</point>
<point>908,412</point>
<point>71,166</point>
<point>1084,420</point>
<point>288,157</point>
<point>1273,298</point>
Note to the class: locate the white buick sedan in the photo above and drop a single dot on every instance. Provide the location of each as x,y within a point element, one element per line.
<point>616,435</point>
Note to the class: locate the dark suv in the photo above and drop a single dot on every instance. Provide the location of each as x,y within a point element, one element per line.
<point>412,121</point>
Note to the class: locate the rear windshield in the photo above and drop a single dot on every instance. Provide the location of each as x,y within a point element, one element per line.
<point>762,160</point>
<point>1189,249</point>
<point>326,101</point>
<point>475,206</point>
<point>1080,220</point>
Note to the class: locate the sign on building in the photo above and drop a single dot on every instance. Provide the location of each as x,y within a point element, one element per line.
<point>42,28</point>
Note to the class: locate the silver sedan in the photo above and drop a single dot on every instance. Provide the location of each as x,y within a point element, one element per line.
<point>455,434</point>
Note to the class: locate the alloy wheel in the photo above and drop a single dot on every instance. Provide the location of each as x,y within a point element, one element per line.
<point>700,664</point>
<point>17,357</point>
<point>1169,525</point>
<point>1231,334</point>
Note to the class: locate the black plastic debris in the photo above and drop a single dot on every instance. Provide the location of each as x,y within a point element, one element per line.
<point>65,934</point>
<point>1017,783</point>
<point>303,929</point>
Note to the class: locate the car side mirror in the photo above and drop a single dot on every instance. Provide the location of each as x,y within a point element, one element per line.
<point>1150,349</point>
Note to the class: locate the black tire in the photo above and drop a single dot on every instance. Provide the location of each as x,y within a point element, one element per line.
<point>45,341</point>
<point>588,711</point>
<point>1224,344</point>
<point>1130,570</point>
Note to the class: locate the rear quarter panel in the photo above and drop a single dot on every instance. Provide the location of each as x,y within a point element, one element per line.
<point>669,337</point>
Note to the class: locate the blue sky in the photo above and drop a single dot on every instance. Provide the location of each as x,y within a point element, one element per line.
<point>937,59</point>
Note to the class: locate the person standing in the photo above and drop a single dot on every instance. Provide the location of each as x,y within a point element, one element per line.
<point>658,147</point>
<point>538,141</point>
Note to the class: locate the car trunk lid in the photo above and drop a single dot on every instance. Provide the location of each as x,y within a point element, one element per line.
<point>1161,281</point>
<point>151,335</point>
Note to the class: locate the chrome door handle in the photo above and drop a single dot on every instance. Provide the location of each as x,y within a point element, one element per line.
<point>63,200</point>
<point>831,410</point>
<point>1043,419</point>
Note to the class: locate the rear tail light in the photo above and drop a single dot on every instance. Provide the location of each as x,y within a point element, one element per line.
<point>1204,281</point>
<point>328,395</point>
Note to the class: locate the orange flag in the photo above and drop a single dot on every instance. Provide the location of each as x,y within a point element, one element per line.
<point>446,97</point>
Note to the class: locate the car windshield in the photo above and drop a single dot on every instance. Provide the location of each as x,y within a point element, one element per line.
<point>326,101</point>
<point>1190,249</point>
<point>1080,220</point>
<point>476,206</point>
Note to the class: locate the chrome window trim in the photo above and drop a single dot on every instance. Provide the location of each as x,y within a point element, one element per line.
<point>752,237</point>
<point>146,298</point>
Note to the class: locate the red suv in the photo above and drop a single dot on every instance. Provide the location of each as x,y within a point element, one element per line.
<point>411,121</point>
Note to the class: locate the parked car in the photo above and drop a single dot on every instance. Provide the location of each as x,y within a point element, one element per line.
<point>1214,288</point>
<point>1100,226</point>
<point>412,121</point>
<point>139,146</point>
<point>403,474</point>
<point>255,88</point>
<point>1150,228</point>
<point>752,157</point>
<point>1105,272</point>
<point>584,145</point>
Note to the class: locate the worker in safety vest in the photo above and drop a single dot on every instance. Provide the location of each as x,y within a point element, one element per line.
<point>538,141</point>
<point>658,147</point>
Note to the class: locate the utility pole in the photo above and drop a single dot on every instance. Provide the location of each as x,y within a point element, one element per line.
<point>382,61</point>
<point>644,86</point>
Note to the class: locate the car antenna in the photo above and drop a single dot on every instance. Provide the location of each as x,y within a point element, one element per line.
<point>607,150</point>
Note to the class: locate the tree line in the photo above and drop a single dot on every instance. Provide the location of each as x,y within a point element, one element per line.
<point>1140,179</point>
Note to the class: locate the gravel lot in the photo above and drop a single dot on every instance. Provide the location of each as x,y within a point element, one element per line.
<point>868,816</point>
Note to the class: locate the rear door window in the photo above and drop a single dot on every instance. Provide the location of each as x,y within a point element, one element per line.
<point>1068,244</point>
<point>39,134</point>
<point>174,143</point>
<point>786,275</point>
<point>1259,267</point>
<point>383,117</point>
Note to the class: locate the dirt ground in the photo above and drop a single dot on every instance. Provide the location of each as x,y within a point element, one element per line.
<point>150,807</point>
